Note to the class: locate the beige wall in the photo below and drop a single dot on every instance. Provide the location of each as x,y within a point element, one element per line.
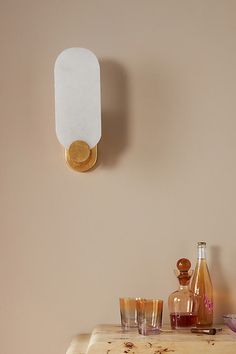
<point>71,243</point>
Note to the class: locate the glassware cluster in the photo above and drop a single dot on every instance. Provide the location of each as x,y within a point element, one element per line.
<point>191,305</point>
<point>144,314</point>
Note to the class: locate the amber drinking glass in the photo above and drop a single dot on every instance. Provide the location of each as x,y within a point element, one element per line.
<point>149,316</point>
<point>128,312</point>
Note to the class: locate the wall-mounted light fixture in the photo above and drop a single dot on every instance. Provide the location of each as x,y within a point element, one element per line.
<point>78,106</point>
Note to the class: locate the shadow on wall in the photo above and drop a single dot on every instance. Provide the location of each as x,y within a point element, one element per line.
<point>222,296</point>
<point>114,99</point>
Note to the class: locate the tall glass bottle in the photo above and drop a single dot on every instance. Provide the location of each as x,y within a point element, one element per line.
<point>202,287</point>
<point>182,302</point>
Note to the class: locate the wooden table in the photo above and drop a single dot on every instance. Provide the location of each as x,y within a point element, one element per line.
<point>110,339</point>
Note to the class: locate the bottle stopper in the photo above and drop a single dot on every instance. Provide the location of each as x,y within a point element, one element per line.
<point>183,266</point>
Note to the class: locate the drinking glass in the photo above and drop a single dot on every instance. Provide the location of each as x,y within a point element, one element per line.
<point>128,312</point>
<point>149,315</point>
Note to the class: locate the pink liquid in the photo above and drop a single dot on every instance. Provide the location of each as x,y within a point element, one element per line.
<point>183,320</point>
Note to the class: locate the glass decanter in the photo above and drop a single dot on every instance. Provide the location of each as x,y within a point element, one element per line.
<point>182,302</point>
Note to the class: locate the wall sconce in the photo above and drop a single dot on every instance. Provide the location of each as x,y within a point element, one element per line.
<point>78,106</point>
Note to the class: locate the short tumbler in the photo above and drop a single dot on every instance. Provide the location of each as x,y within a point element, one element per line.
<point>128,312</point>
<point>149,316</point>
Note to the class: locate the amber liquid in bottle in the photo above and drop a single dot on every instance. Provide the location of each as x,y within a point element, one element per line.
<point>202,287</point>
<point>183,320</point>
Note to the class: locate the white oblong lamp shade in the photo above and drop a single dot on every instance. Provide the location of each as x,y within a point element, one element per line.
<point>77,97</point>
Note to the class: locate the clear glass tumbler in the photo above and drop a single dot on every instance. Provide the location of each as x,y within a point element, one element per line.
<point>149,313</point>
<point>128,312</point>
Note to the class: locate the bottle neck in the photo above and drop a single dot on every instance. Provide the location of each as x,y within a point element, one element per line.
<point>184,287</point>
<point>202,252</point>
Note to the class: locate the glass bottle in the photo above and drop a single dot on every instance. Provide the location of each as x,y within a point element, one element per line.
<point>202,287</point>
<point>182,303</point>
